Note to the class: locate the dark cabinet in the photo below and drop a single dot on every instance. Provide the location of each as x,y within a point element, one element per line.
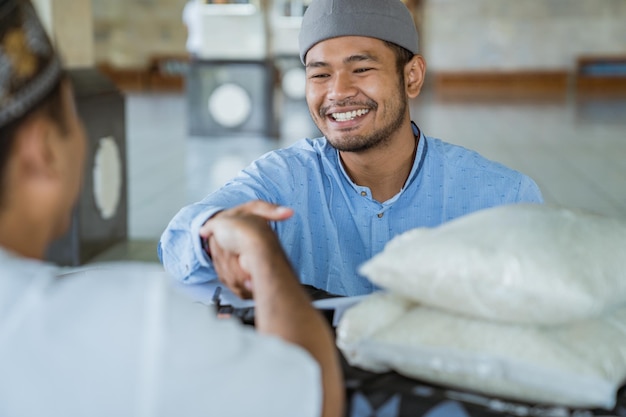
<point>100,216</point>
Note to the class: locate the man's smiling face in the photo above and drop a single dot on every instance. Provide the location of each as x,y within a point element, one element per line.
<point>354,91</point>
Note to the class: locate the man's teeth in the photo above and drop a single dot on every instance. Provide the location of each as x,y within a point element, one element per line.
<point>349,115</point>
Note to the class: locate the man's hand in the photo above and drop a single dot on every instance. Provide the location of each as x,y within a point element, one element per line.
<point>238,238</point>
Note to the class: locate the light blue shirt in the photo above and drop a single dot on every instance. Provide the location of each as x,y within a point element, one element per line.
<point>337,225</point>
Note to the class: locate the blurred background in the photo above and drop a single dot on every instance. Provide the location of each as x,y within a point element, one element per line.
<point>177,96</point>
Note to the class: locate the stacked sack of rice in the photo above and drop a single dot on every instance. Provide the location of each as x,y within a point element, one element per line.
<point>522,301</point>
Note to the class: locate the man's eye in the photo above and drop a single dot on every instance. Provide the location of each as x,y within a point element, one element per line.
<point>318,75</point>
<point>361,70</point>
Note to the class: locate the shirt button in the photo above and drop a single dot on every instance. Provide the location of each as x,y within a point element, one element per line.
<point>363,194</point>
<point>380,215</point>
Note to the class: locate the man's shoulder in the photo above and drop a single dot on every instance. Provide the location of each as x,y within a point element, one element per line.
<point>310,152</point>
<point>460,157</point>
<point>117,269</point>
<point>122,279</point>
<point>307,145</point>
<point>467,167</point>
<point>451,151</point>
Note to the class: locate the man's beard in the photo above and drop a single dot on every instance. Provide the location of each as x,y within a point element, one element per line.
<point>377,138</point>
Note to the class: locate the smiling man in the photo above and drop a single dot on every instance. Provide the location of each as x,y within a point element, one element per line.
<point>373,175</point>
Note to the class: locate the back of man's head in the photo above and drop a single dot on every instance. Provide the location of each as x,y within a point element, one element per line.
<point>387,20</point>
<point>29,66</point>
<point>30,72</point>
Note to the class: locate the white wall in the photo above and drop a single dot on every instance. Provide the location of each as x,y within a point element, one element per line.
<point>129,32</point>
<point>466,35</point>
<point>70,25</point>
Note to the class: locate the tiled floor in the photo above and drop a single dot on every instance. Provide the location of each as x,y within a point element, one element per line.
<point>575,149</point>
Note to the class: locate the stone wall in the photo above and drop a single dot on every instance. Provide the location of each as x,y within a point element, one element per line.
<point>457,35</point>
<point>127,33</point>
<point>513,35</point>
<point>70,25</point>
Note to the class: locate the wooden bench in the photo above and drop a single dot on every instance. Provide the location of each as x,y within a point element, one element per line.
<point>502,85</point>
<point>601,74</point>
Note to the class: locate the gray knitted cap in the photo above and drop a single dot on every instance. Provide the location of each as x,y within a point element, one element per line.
<point>388,20</point>
<point>29,66</point>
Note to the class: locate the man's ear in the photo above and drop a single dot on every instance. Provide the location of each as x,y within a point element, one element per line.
<point>34,151</point>
<point>414,73</point>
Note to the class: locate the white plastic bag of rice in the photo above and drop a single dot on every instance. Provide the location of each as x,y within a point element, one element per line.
<point>580,364</point>
<point>523,263</point>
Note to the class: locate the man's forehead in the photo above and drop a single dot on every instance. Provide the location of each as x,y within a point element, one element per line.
<point>347,49</point>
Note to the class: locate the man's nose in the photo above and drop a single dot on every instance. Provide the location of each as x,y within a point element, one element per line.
<point>342,87</point>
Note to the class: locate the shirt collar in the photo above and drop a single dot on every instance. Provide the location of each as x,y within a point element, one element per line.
<point>420,153</point>
<point>417,164</point>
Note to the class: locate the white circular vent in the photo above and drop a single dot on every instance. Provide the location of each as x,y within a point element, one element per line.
<point>293,83</point>
<point>107,177</point>
<point>230,105</point>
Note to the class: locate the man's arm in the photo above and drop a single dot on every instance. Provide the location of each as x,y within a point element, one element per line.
<point>180,249</point>
<point>282,307</point>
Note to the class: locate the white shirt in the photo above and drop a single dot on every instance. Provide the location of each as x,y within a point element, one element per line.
<point>117,340</point>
